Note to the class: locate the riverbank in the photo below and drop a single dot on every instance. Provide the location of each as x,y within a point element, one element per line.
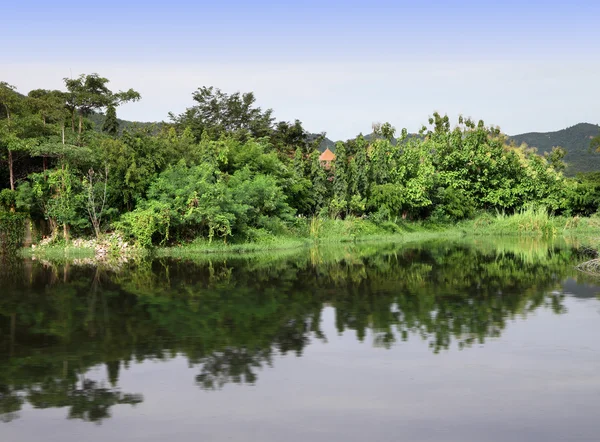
<point>531,223</point>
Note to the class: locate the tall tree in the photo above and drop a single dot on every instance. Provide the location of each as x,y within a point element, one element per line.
<point>319,181</point>
<point>9,100</point>
<point>88,93</point>
<point>340,179</point>
<point>217,113</point>
<point>48,104</point>
<point>287,137</point>
<point>362,177</point>
<point>111,124</point>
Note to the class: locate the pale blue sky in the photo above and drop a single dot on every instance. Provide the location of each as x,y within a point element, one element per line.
<point>336,65</point>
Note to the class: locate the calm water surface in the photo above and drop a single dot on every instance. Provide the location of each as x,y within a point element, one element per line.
<point>431,342</point>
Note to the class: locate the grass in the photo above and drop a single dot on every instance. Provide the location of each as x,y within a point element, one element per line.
<point>58,252</point>
<point>219,248</point>
<point>320,233</point>
<point>531,222</point>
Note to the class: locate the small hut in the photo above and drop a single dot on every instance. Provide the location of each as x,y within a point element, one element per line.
<point>326,158</point>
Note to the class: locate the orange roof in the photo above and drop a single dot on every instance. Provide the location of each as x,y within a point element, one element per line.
<point>327,155</point>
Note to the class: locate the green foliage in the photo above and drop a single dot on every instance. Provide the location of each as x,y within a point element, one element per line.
<point>339,204</point>
<point>318,178</point>
<point>202,202</point>
<point>8,199</point>
<point>111,124</point>
<point>452,205</point>
<point>291,137</point>
<point>337,207</point>
<point>89,93</point>
<point>63,195</point>
<point>217,113</point>
<point>96,191</point>
<point>555,158</point>
<point>264,199</point>
<point>12,231</point>
<point>58,196</point>
<point>584,194</point>
<point>134,161</point>
<point>360,169</point>
<point>148,224</point>
<point>357,205</point>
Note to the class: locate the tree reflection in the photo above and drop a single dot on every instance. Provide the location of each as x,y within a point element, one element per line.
<point>10,403</point>
<point>87,400</point>
<point>236,365</point>
<point>231,318</point>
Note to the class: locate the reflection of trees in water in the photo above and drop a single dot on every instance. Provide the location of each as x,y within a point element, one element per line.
<point>232,318</point>
<point>87,400</point>
<point>232,365</point>
<point>240,364</point>
<point>11,402</point>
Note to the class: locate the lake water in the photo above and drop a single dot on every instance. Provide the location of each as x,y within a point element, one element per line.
<point>437,341</point>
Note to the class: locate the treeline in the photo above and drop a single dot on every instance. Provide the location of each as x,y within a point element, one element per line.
<point>225,168</point>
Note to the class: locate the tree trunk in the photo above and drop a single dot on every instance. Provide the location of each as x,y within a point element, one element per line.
<point>53,227</point>
<point>10,170</point>
<point>73,120</point>
<point>80,124</point>
<point>66,232</point>
<point>10,156</point>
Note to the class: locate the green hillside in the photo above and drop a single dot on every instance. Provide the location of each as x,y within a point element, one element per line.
<point>98,120</point>
<point>575,139</point>
<point>326,143</point>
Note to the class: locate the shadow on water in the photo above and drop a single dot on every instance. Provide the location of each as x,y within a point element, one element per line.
<point>230,317</point>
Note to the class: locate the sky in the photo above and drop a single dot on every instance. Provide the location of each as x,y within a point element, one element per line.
<point>338,66</point>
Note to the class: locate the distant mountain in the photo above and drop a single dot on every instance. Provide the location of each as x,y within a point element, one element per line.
<point>326,143</point>
<point>575,140</point>
<point>98,120</point>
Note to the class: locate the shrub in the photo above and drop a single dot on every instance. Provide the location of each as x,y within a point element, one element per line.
<point>7,199</point>
<point>12,231</point>
<point>148,224</point>
<point>452,205</point>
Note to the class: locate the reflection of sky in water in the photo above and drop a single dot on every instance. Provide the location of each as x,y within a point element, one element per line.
<point>589,289</point>
<point>538,382</point>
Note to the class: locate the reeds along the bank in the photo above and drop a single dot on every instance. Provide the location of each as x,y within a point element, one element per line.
<point>532,220</point>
